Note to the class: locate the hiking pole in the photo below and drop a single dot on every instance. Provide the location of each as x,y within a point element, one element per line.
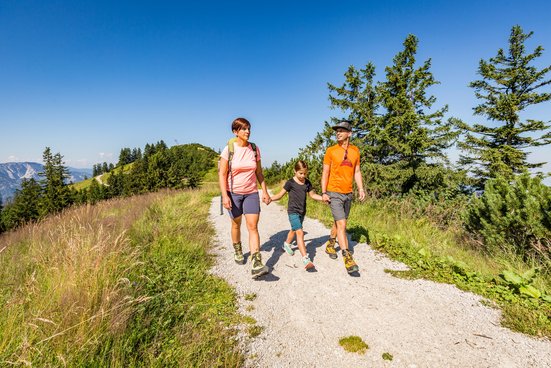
<point>221,204</point>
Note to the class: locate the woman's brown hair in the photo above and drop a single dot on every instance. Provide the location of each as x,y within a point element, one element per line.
<point>239,124</point>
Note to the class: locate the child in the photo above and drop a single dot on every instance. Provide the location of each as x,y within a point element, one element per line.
<point>298,187</point>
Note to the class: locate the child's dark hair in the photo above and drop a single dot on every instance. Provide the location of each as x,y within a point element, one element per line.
<point>301,165</point>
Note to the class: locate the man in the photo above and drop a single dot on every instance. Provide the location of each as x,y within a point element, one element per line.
<point>341,165</point>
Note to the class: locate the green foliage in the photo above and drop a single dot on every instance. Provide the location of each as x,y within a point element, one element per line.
<point>178,167</point>
<point>96,192</point>
<point>508,86</point>
<point>357,98</point>
<point>513,216</point>
<point>387,356</point>
<point>412,133</point>
<point>250,297</point>
<point>353,344</point>
<point>55,193</point>
<point>187,319</point>
<point>120,284</point>
<point>401,141</point>
<point>25,205</point>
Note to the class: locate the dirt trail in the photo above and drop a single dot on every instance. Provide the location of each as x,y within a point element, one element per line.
<point>420,323</point>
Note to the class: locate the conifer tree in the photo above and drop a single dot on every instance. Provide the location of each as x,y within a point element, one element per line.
<point>115,184</point>
<point>411,134</point>
<point>95,192</point>
<point>56,195</point>
<point>509,85</point>
<point>24,206</point>
<point>357,98</point>
<point>125,157</point>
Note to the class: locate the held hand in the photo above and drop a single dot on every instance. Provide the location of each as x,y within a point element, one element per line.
<point>266,199</point>
<point>325,198</point>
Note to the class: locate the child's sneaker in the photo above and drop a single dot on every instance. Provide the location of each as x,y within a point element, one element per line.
<point>287,248</point>
<point>330,248</point>
<point>307,263</point>
<point>258,269</point>
<point>349,263</point>
<point>238,255</point>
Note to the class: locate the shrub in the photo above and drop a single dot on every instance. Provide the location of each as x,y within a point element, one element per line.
<point>513,217</point>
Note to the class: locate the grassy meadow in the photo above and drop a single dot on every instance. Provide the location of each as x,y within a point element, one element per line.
<point>121,283</point>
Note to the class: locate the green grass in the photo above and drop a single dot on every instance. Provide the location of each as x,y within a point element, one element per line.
<point>250,297</point>
<point>353,344</point>
<point>84,184</point>
<point>122,283</point>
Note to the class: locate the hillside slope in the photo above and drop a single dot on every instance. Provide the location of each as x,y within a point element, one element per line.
<point>420,323</point>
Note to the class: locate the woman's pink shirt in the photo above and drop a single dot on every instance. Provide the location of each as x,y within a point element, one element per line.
<point>243,169</point>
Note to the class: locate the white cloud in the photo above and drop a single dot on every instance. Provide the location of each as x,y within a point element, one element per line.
<point>106,155</point>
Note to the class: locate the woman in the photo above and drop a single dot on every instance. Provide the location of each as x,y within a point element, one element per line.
<point>240,168</point>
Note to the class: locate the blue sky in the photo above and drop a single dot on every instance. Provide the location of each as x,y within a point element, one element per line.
<point>88,78</point>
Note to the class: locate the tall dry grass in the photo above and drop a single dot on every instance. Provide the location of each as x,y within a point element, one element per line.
<point>122,283</point>
<point>63,281</point>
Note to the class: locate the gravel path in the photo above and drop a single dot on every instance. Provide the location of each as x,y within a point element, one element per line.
<point>304,314</point>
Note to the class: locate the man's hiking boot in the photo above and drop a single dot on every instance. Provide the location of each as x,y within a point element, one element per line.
<point>238,255</point>
<point>330,248</point>
<point>349,263</point>
<point>258,269</point>
<point>287,248</point>
<point>307,263</point>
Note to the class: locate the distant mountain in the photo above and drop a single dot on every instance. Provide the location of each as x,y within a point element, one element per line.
<point>12,173</point>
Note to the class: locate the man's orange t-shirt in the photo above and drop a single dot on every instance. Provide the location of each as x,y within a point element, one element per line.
<point>341,171</point>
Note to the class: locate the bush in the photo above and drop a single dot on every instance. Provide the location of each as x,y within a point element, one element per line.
<point>513,217</point>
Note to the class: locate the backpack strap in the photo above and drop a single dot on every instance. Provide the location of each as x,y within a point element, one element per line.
<point>253,146</point>
<point>231,149</point>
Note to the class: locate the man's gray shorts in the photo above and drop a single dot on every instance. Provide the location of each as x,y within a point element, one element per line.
<point>340,205</point>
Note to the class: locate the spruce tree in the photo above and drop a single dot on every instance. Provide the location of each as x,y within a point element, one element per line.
<point>95,192</point>
<point>56,195</point>
<point>357,98</point>
<point>509,85</point>
<point>125,157</point>
<point>410,133</point>
<point>25,205</point>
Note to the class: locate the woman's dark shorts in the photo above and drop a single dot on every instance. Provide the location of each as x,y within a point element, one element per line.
<point>244,204</point>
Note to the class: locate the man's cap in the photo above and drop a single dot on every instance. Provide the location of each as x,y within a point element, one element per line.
<point>343,124</point>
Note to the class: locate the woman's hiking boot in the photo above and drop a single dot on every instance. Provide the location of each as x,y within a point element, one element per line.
<point>258,269</point>
<point>307,263</point>
<point>349,263</point>
<point>287,248</point>
<point>330,248</point>
<point>238,253</point>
